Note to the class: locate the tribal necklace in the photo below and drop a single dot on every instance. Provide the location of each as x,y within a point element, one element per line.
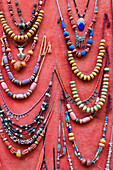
<point>37,67</point>
<point>90,110</point>
<point>22,26</point>
<point>22,95</point>
<point>101,144</point>
<point>110,150</point>
<point>34,141</point>
<point>65,149</point>
<point>12,115</point>
<point>72,49</point>
<point>80,40</point>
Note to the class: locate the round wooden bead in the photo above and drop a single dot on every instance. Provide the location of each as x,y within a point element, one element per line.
<point>83,161</point>
<point>17,65</point>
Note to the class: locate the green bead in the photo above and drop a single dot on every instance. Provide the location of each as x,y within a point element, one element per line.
<point>34,4</point>
<point>16,2</point>
<point>10,93</point>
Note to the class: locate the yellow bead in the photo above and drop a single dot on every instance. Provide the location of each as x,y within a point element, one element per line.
<point>85,77</point>
<point>99,64</point>
<point>40,17</point>
<point>76,71</point>
<point>12,35</point>
<point>101,144</point>
<point>18,153</point>
<point>98,106</point>
<point>97,71</point>
<point>18,37</point>
<point>88,78</point>
<point>77,99</point>
<point>72,61</point>
<point>30,52</point>
<point>36,26</point>
<point>8,50</point>
<point>39,20</point>
<point>74,64</point>
<point>10,32</point>
<point>70,58</point>
<point>70,134</point>
<point>71,82</point>
<point>31,31</point>
<point>84,108</point>
<point>99,57</point>
<point>102,44</point>
<point>1,13</point>
<point>25,37</point>
<point>102,141</point>
<point>22,37</point>
<point>71,138</point>
<point>94,73</point>
<point>101,54</point>
<point>101,48</point>
<point>15,37</point>
<point>29,34</point>
<point>69,52</point>
<point>99,60</point>
<point>4,139</point>
<point>34,29</point>
<point>78,103</point>
<point>102,41</point>
<point>41,11</point>
<point>81,76</point>
<point>78,74</point>
<point>36,142</point>
<point>36,38</point>
<point>1,130</point>
<point>40,14</point>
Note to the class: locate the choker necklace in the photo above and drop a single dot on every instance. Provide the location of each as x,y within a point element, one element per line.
<point>22,26</point>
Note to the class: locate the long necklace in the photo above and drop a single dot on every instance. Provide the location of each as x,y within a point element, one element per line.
<point>20,96</point>
<point>80,41</point>
<point>65,149</point>
<point>90,110</point>
<point>22,26</point>
<point>101,144</point>
<point>33,146</point>
<point>110,150</point>
<point>37,67</point>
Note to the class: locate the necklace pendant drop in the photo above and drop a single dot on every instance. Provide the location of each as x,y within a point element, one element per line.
<point>21,55</point>
<point>81,24</point>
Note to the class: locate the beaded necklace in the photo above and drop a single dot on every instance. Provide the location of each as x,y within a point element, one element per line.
<point>110,150</point>
<point>83,107</point>
<point>22,26</point>
<point>41,133</point>
<point>37,67</point>
<point>72,50</point>
<point>65,149</point>
<point>102,142</point>
<point>80,40</point>
<point>20,133</point>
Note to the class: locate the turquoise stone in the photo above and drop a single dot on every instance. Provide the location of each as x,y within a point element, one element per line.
<point>83,53</point>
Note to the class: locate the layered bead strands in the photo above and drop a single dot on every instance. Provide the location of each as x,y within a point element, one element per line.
<point>29,34</point>
<point>70,98</point>
<point>90,110</point>
<point>28,24</point>
<point>36,70</point>
<point>101,144</point>
<point>80,41</point>
<point>20,133</point>
<point>22,95</point>
<point>97,68</point>
<point>22,26</point>
<point>34,141</point>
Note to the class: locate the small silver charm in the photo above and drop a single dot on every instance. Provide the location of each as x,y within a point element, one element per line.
<point>80,41</point>
<point>21,55</point>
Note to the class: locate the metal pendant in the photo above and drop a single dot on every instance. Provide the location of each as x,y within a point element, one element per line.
<point>80,41</point>
<point>21,55</point>
<point>81,24</point>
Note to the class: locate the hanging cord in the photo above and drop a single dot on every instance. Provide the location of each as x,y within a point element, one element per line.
<point>81,16</point>
<point>108,24</point>
<point>53,157</point>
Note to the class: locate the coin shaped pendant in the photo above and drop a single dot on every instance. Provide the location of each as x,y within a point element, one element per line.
<point>81,24</point>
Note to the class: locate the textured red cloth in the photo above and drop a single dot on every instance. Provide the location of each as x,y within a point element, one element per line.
<point>87,136</point>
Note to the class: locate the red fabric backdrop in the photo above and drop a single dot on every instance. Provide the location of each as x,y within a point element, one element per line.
<point>87,136</point>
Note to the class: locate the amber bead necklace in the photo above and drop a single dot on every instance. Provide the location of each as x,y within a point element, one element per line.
<point>80,40</point>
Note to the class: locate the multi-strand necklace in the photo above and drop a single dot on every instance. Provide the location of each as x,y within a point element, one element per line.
<point>80,41</point>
